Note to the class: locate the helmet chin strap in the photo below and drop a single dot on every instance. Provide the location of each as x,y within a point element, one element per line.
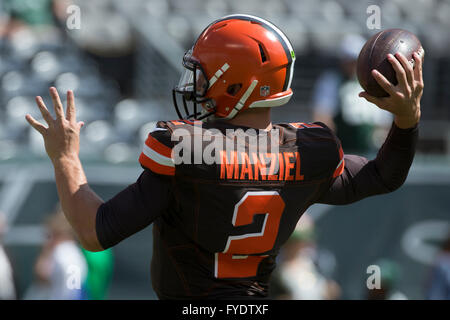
<point>206,111</point>
<point>204,115</point>
<point>199,115</point>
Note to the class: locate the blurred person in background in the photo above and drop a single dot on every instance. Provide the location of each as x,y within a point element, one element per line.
<point>439,286</point>
<point>390,274</point>
<point>111,45</point>
<point>299,275</point>
<point>60,269</point>
<point>25,14</point>
<point>100,270</point>
<point>7,286</point>
<point>335,102</point>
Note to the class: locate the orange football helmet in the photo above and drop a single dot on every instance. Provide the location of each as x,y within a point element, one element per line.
<point>238,62</point>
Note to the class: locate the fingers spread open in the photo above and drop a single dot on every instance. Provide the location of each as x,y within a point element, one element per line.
<point>399,71</point>
<point>57,105</point>
<point>383,82</point>
<point>71,112</point>
<point>407,67</point>
<point>44,111</point>
<point>36,124</point>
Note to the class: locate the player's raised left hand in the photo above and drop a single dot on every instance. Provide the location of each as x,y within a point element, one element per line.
<point>62,136</point>
<point>404,98</point>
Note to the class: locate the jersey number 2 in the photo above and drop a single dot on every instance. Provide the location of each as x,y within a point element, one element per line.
<point>235,261</point>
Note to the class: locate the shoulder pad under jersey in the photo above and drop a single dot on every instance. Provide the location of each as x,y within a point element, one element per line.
<point>325,132</point>
<point>156,154</point>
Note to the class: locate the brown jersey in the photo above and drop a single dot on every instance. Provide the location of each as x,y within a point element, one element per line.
<point>222,207</point>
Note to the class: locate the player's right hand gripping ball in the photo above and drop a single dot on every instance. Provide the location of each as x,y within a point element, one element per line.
<point>374,56</point>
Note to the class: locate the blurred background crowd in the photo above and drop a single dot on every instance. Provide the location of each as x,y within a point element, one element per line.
<point>122,63</point>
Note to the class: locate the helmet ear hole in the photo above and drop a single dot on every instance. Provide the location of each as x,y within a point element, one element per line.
<point>233,89</point>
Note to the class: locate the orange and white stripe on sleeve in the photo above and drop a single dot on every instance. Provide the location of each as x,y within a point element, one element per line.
<point>341,165</point>
<point>157,157</point>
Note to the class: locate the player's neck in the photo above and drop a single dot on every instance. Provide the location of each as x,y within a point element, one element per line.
<point>258,118</point>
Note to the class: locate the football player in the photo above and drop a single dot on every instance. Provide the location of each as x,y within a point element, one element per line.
<point>218,225</point>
